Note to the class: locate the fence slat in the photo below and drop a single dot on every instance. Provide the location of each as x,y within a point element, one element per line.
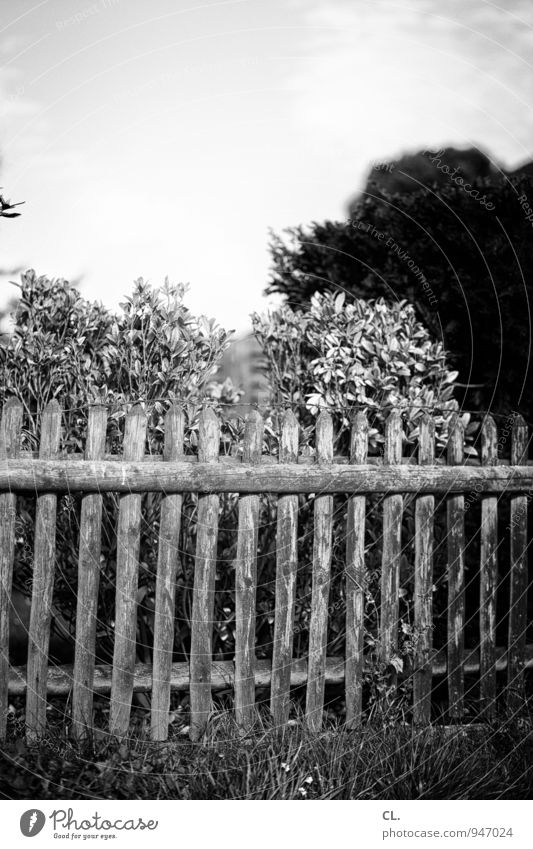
<point>168,563</point>
<point>127,581</point>
<point>204,583</point>
<point>488,575</point>
<point>246,582</point>
<point>355,579</point>
<point>286,574</point>
<point>322,546</point>
<point>88,583</point>
<point>519,576</point>
<point>10,427</point>
<point>455,508</point>
<point>423,602</point>
<point>392,547</point>
<point>43,582</point>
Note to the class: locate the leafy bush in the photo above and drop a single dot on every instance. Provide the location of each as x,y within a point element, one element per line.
<point>65,347</point>
<point>154,351</point>
<point>344,355</point>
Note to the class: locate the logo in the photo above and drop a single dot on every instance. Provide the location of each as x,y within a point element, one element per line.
<point>32,822</point>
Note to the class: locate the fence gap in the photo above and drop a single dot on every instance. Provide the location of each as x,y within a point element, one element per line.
<point>127,582</point>
<point>423,602</point>
<point>204,582</point>
<point>286,574</point>
<point>392,549</point>
<point>43,582</point>
<point>322,546</point>
<point>519,575</point>
<point>168,564</point>
<point>356,579</point>
<point>455,509</point>
<point>88,584</point>
<point>488,577</point>
<point>10,430</point>
<point>246,582</point>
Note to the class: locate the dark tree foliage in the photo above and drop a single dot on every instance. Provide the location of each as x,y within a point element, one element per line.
<point>463,257</point>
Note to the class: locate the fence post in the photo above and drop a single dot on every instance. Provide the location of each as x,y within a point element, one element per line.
<point>455,509</point>
<point>204,582</point>
<point>356,580</point>
<point>322,545</point>
<point>392,548</point>
<point>286,573</point>
<point>127,581</point>
<point>519,576</point>
<point>88,583</point>
<point>488,576</point>
<point>43,583</point>
<point>10,427</point>
<point>168,563</point>
<point>246,582</point>
<point>423,602</point>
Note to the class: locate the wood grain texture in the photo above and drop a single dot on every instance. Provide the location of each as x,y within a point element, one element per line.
<point>10,431</point>
<point>519,575</point>
<point>234,476</point>
<point>423,601</point>
<point>392,548</point>
<point>286,574</point>
<point>322,546</point>
<point>455,514</point>
<point>60,678</point>
<point>43,583</point>
<point>204,582</point>
<point>127,583</point>
<point>356,580</point>
<point>246,582</point>
<point>88,584</point>
<point>168,566</point>
<point>488,576</point>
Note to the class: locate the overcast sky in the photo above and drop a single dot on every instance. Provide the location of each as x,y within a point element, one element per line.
<point>165,137</point>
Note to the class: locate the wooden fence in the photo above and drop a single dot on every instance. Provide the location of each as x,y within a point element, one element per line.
<point>133,473</point>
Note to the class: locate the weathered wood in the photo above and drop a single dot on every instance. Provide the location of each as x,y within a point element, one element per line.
<point>488,576</point>
<point>10,428</point>
<point>322,547</point>
<point>423,601</point>
<point>246,582</point>
<point>204,582</point>
<point>59,682</point>
<point>286,573</point>
<point>356,580</point>
<point>519,575</point>
<point>392,548</point>
<point>88,583</point>
<point>43,583</point>
<point>127,583</point>
<point>168,563</point>
<point>455,508</point>
<point>124,477</point>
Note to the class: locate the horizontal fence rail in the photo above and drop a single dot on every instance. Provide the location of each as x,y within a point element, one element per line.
<point>422,483</point>
<point>172,477</point>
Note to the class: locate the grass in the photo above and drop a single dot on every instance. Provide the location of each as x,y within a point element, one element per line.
<point>379,761</point>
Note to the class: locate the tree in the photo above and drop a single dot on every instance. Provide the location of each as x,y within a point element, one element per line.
<point>460,252</point>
